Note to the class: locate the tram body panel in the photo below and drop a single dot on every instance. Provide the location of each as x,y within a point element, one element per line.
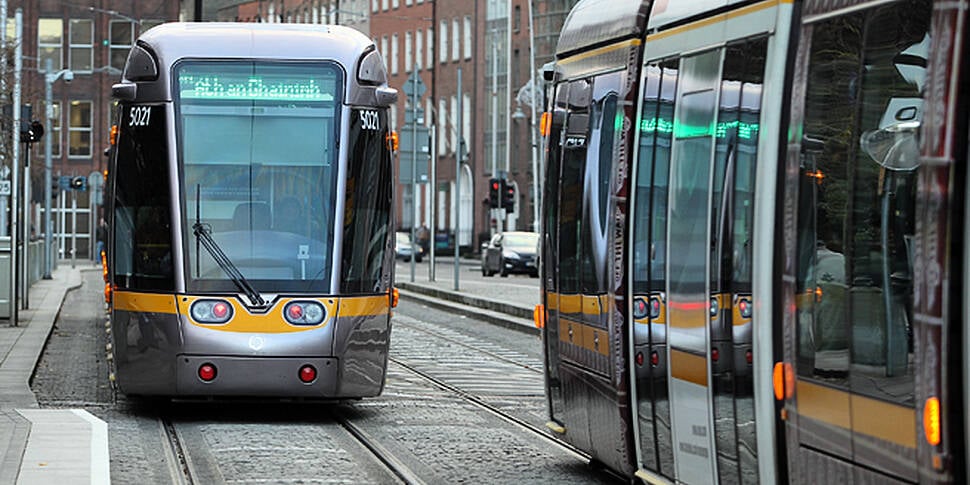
<point>262,181</point>
<point>585,333</point>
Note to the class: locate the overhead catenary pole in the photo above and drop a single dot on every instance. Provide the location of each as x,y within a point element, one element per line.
<point>3,95</point>
<point>495,171</point>
<point>15,163</point>
<point>458,156</point>
<point>432,150</point>
<point>414,165</point>
<point>48,164</point>
<point>536,175</point>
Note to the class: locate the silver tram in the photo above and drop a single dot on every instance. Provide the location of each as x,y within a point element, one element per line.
<point>755,240</point>
<point>249,204</point>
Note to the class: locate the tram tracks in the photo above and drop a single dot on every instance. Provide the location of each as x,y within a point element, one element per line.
<point>175,453</point>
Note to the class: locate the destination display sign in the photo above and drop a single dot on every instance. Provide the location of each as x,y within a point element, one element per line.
<point>254,81</point>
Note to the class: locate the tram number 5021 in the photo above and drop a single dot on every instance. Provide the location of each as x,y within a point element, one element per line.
<point>369,120</point>
<point>139,115</point>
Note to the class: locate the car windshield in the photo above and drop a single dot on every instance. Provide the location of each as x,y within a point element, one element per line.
<point>258,152</point>
<point>522,242</point>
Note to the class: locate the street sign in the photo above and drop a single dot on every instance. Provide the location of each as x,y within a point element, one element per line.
<point>407,136</point>
<point>414,87</point>
<point>410,115</point>
<point>4,172</point>
<point>422,171</point>
<point>4,187</point>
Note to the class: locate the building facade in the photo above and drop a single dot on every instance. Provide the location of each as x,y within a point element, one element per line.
<point>91,39</point>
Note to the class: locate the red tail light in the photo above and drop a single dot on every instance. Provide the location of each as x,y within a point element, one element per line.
<point>639,358</point>
<point>748,356</point>
<point>715,354</point>
<point>308,374</point>
<point>207,372</point>
<point>654,359</point>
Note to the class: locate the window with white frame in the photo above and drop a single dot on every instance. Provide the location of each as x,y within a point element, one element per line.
<point>395,3</point>
<point>393,121</point>
<point>430,44</point>
<point>79,129</point>
<point>408,2</point>
<point>50,41</point>
<point>466,118</point>
<point>375,6</point>
<point>418,49</point>
<point>384,53</point>
<point>82,45</point>
<point>384,5</point>
<point>455,39</point>
<point>428,111</point>
<point>442,125</point>
<point>453,132</point>
<point>56,129</point>
<point>443,45</point>
<point>121,34</point>
<point>467,44</point>
<point>408,51</point>
<point>394,54</point>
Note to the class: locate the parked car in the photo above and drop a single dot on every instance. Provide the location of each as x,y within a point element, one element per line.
<point>403,247</point>
<point>511,252</point>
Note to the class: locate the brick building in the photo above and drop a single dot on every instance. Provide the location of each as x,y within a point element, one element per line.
<point>90,38</point>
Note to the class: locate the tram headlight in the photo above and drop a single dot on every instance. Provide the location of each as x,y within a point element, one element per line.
<point>303,313</point>
<point>211,311</point>
<point>715,307</point>
<point>744,308</point>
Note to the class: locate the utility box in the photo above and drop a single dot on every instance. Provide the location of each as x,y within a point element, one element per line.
<point>5,268</point>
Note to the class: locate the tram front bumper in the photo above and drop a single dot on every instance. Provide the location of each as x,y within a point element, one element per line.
<point>255,376</point>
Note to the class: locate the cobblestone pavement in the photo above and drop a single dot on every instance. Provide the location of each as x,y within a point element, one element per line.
<point>434,432</point>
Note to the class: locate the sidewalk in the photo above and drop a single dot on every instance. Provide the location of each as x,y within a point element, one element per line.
<point>508,302</point>
<point>40,446</point>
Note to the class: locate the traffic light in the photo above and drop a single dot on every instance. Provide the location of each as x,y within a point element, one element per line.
<point>31,131</point>
<point>494,186</point>
<point>508,197</point>
<point>79,183</point>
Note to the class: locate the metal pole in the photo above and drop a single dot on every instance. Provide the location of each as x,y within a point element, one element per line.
<point>414,166</point>
<point>458,156</point>
<point>4,200</point>
<point>48,163</point>
<point>73,228</point>
<point>25,232</point>
<point>536,175</point>
<point>495,172</point>
<point>432,150</point>
<point>15,164</point>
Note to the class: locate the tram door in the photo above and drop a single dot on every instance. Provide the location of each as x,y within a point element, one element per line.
<point>692,334</point>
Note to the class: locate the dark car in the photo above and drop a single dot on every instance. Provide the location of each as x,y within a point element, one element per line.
<point>511,252</point>
<point>403,247</point>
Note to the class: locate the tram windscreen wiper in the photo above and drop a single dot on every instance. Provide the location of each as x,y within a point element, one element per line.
<point>202,233</point>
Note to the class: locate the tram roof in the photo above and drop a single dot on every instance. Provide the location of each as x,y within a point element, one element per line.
<point>593,23</point>
<point>177,40</point>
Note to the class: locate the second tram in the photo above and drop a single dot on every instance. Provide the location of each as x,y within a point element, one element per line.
<point>249,207</point>
<point>754,239</point>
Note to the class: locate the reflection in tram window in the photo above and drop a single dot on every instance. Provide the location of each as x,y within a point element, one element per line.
<point>732,219</point>
<point>258,146</point>
<point>857,198</point>
<point>649,265</point>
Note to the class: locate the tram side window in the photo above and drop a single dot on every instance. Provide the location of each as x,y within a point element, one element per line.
<point>856,208</point>
<point>596,183</point>
<point>653,166</point>
<point>571,183</point>
<point>368,206</point>
<point>142,253</point>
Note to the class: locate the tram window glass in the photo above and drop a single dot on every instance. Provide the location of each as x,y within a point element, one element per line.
<point>551,204</point>
<point>571,183</point>
<point>142,253</point>
<point>367,213</point>
<point>862,106</point>
<point>596,183</point>
<point>258,152</point>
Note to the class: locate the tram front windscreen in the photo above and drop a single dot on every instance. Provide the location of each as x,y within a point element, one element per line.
<point>258,169</point>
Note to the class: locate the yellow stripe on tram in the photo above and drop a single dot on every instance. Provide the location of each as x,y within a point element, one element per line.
<point>688,367</point>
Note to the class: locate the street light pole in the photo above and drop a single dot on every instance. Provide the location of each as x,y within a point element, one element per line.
<point>536,176</point>
<point>49,78</point>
